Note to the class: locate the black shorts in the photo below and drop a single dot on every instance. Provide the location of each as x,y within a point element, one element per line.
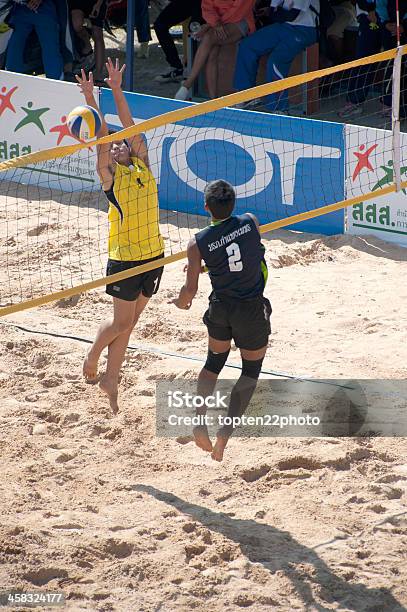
<point>130,288</point>
<point>86,6</point>
<point>246,321</point>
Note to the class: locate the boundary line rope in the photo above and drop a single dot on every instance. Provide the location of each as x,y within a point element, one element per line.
<point>157,351</point>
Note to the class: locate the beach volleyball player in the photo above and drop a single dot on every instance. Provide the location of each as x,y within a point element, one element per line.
<point>134,234</point>
<point>234,256</point>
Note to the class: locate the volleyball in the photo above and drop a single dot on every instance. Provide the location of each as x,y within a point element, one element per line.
<point>84,122</point>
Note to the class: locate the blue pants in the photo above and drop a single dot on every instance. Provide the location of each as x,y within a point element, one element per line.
<point>361,79</point>
<point>142,19</point>
<point>282,42</point>
<point>45,23</point>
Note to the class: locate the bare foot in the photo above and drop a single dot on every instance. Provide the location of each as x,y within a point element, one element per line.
<point>90,368</point>
<point>110,388</point>
<point>220,445</point>
<point>202,439</point>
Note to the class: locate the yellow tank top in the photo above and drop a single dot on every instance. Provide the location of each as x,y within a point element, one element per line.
<point>134,231</point>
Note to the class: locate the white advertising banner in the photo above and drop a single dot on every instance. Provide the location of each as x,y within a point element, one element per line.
<point>33,113</point>
<point>369,167</point>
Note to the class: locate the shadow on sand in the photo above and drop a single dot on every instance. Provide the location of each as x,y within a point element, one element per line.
<point>277,550</point>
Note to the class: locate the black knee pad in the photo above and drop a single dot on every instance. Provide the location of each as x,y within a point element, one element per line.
<point>251,369</point>
<point>215,361</point>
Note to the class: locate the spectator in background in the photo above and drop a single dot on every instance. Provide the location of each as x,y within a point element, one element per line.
<point>142,18</point>
<point>377,29</point>
<point>96,13</point>
<point>292,30</point>
<point>174,13</point>
<point>5,30</point>
<point>41,16</point>
<point>227,22</point>
<point>66,35</point>
<point>345,16</point>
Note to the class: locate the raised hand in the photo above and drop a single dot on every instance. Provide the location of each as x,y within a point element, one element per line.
<point>85,84</point>
<point>114,80</point>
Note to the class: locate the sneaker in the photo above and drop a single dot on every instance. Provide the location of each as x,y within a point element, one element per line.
<point>351,110</point>
<point>183,93</point>
<point>174,76</point>
<point>143,51</point>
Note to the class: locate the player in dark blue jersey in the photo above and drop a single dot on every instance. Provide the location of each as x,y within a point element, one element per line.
<point>234,257</point>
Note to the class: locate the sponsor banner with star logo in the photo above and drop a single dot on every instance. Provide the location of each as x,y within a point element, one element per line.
<point>33,113</point>
<point>369,168</point>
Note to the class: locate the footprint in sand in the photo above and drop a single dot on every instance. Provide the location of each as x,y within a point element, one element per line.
<point>39,229</point>
<point>44,575</point>
<point>295,463</point>
<point>54,380</point>
<point>118,548</point>
<point>254,473</point>
<point>194,550</point>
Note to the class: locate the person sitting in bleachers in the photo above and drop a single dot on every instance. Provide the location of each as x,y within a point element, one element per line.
<point>41,16</point>
<point>292,29</point>
<point>377,30</point>
<point>345,17</point>
<point>95,12</point>
<point>173,14</point>
<point>227,22</point>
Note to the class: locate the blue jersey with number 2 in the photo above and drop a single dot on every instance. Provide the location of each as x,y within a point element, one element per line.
<point>234,256</point>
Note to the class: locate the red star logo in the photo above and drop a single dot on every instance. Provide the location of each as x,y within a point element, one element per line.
<point>62,130</point>
<point>5,99</point>
<point>363,160</point>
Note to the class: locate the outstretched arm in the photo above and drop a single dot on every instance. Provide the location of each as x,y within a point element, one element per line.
<point>103,151</point>
<point>114,80</point>
<point>188,291</point>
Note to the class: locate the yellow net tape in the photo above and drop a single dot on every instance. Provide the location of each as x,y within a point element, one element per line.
<point>66,293</point>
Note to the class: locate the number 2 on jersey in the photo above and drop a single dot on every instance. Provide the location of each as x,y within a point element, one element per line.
<point>235,258</point>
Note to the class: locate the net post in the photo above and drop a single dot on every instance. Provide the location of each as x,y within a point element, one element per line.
<point>396,116</point>
<point>128,77</point>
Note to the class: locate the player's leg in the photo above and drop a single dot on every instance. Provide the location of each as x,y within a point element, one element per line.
<point>250,322</point>
<point>219,340</point>
<point>116,352</point>
<point>240,396</point>
<point>136,290</point>
<point>218,352</point>
<point>122,322</point>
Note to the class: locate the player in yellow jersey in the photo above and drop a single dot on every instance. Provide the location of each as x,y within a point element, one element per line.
<point>134,234</point>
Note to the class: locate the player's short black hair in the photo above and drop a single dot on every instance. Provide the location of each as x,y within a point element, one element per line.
<point>220,198</point>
